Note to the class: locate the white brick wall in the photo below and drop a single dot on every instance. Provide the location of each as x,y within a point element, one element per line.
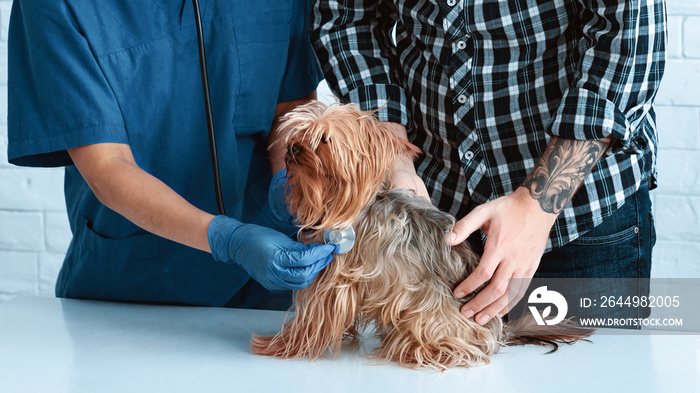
<point>34,231</point>
<point>677,200</point>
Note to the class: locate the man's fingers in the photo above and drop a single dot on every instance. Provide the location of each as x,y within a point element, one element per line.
<point>497,289</point>
<point>479,276</point>
<point>515,294</point>
<point>468,225</point>
<point>492,310</point>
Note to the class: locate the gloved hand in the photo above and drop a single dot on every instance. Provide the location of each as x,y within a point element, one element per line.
<point>271,258</point>
<point>276,197</point>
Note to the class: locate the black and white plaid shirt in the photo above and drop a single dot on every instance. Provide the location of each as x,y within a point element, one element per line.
<point>482,86</point>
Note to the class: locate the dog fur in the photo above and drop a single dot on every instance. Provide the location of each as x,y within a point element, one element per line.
<point>398,279</point>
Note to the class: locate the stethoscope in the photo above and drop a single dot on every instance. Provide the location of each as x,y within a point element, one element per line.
<point>345,239</point>
<point>207,108</point>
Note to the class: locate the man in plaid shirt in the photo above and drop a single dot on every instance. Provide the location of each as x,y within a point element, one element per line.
<point>535,119</point>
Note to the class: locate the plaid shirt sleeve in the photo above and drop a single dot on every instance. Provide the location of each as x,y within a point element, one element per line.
<point>353,44</point>
<point>620,71</point>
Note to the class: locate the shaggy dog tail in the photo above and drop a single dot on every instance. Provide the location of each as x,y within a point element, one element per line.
<point>525,331</point>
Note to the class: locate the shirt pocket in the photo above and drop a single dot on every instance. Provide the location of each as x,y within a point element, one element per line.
<point>116,269</point>
<point>131,247</point>
<point>262,41</point>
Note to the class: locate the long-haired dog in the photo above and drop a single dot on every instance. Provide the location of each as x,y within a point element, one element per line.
<point>398,278</point>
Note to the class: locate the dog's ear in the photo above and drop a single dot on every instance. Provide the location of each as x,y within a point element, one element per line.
<point>324,316</point>
<point>407,148</point>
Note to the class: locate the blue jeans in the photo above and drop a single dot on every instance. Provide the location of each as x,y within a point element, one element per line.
<point>620,247</point>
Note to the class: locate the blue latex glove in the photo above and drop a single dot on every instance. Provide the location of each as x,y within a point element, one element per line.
<point>276,197</point>
<point>271,258</point>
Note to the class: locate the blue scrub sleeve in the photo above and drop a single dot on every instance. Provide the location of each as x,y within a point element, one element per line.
<point>58,97</point>
<point>303,73</point>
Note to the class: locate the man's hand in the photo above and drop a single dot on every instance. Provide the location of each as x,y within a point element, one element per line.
<point>517,231</point>
<point>405,176</point>
<point>517,226</point>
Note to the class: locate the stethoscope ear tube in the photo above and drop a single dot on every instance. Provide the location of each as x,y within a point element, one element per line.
<point>207,107</point>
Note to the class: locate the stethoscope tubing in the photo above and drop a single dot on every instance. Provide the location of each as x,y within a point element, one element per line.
<point>208,109</point>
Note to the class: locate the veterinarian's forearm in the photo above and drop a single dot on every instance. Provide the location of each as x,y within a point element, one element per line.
<point>561,170</point>
<point>277,151</point>
<point>118,182</point>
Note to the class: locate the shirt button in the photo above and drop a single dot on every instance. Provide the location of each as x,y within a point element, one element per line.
<point>461,44</point>
<point>451,3</point>
<point>462,99</point>
<point>469,155</point>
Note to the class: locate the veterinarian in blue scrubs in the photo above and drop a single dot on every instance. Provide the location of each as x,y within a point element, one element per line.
<point>112,91</point>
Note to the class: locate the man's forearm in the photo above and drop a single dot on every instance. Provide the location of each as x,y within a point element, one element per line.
<point>561,170</point>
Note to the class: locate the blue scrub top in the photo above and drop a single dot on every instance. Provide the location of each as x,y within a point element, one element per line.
<point>87,71</point>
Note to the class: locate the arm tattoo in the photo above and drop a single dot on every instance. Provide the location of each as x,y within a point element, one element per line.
<point>562,168</point>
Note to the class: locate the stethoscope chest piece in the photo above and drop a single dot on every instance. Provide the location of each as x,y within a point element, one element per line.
<point>345,238</point>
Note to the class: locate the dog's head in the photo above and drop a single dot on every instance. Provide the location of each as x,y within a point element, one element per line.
<point>338,157</point>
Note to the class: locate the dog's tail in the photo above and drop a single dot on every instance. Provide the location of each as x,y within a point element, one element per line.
<point>525,331</point>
